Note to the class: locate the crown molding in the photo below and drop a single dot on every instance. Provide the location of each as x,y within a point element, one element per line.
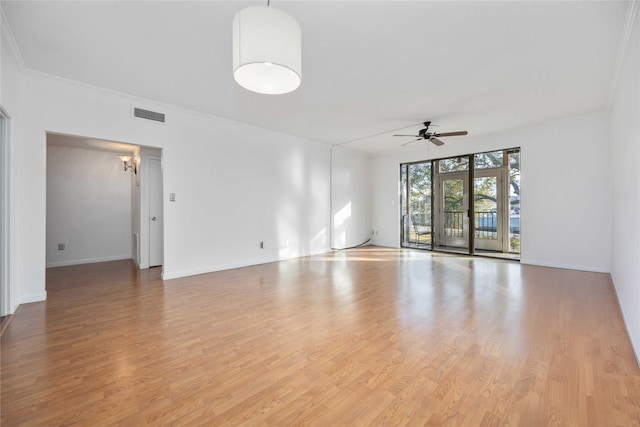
<point>633,16</point>
<point>7,35</point>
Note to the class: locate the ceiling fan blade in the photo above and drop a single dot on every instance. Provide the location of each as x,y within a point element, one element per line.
<point>464,132</point>
<point>408,135</point>
<point>436,141</point>
<point>413,140</point>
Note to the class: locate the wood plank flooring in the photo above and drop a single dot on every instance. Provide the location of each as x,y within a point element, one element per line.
<point>362,337</point>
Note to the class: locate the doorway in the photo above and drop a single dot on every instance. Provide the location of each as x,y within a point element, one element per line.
<point>489,210</point>
<point>101,211</point>
<point>452,205</point>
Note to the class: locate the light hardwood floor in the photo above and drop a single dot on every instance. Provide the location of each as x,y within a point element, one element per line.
<point>363,337</point>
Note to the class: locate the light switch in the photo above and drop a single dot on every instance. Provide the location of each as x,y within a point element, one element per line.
<point>172,197</point>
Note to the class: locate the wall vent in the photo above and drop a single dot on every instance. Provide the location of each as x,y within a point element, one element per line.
<point>148,115</point>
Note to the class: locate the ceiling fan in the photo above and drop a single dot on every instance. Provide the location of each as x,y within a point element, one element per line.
<point>432,136</point>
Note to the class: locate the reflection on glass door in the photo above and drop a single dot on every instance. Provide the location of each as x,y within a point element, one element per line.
<point>452,205</point>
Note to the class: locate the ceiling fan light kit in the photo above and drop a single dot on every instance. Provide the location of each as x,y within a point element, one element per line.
<point>267,51</point>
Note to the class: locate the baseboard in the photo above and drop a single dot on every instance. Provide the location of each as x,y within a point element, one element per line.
<point>26,299</point>
<point>87,261</point>
<point>624,320</point>
<point>385,244</point>
<point>542,263</point>
<point>221,267</point>
<point>4,322</point>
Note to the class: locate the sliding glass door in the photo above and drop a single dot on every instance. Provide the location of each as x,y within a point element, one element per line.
<point>475,200</point>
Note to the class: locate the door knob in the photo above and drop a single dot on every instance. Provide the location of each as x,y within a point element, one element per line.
<point>153,218</point>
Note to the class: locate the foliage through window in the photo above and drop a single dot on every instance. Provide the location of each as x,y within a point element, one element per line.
<point>454,164</point>
<point>492,159</point>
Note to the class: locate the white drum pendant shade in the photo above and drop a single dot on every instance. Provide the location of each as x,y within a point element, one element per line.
<point>267,51</point>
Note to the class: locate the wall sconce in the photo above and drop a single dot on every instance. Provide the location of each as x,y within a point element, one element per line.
<point>129,163</point>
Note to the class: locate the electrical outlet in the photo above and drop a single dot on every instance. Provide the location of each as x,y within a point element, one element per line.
<point>61,246</point>
<point>172,197</point>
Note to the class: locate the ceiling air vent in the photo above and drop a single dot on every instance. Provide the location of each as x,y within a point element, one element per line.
<point>148,115</point>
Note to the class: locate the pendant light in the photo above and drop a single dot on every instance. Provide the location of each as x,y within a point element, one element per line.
<point>267,51</point>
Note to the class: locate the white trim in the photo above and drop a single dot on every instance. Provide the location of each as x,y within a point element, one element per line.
<point>7,35</point>
<point>633,15</point>
<point>87,261</point>
<point>5,204</point>
<point>221,267</point>
<point>624,319</point>
<point>385,244</point>
<point>25,299</point>
<point>162,105</point>
<point>541,263</point>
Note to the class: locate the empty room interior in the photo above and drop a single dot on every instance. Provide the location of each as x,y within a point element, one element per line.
<point>320,213</point>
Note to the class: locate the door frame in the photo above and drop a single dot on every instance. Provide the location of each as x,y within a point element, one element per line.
<point>458,242</point>
<point>502,211</point>
<point>149,220</point>
<point>6,306</point>
<point>505,228</point>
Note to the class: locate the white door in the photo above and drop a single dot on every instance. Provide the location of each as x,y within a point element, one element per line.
<point>155,213</point>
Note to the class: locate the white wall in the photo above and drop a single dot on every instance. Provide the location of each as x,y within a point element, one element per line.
<point>565,207</point>
<point>88,206</point>
<point>625,124</point>
<point>351,208</point>
<point>236,185</point>
<point>21,251</point>
<point>8,100</point>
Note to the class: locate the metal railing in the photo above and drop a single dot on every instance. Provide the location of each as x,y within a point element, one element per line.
<point>453,223</point>
<point>416,227</point>
<point>486,224</point>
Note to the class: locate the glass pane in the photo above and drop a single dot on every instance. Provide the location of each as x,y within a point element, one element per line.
<point>488,160</point>
<point>453,195</point>
<point>403,189</point>
<point>415,200</point>
<point>403,203</point>
<point>454,164</point>
<point>485,205</point>
<point>514,201</point>
<point>420,203</point>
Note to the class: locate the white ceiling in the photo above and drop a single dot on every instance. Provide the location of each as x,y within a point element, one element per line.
<point>369,67</point>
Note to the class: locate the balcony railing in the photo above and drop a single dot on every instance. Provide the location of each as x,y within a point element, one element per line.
<point>453,223</point>
<point>486,222</point>
<point>418,230</point>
